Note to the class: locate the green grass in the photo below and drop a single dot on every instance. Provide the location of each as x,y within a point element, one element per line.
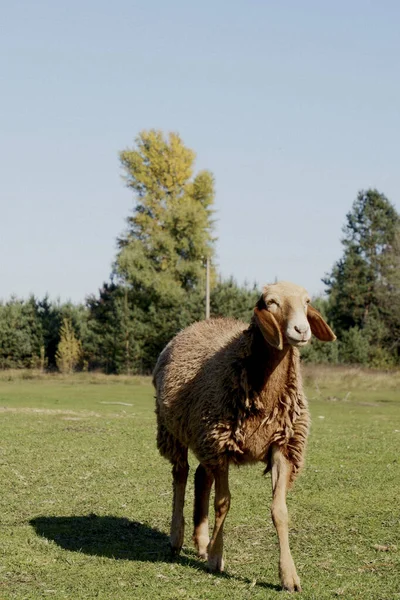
<point>86,498</point>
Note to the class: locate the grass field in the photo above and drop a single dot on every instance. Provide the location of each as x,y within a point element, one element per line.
<point>86,498</point>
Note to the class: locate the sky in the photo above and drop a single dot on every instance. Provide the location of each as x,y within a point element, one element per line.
<point>294,107</point>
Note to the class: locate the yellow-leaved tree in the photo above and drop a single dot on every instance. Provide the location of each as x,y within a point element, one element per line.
<point>170,233</point>
<point>69,350</point>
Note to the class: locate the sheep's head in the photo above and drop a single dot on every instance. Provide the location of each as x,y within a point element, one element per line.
<point>285,316</point>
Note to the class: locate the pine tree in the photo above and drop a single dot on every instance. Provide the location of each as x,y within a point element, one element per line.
<point>116,331</point>
<point>389,294</point>
<point>21,335</point>
<point>228,299</point>
<point>355,279</point>
<point>365,277</point>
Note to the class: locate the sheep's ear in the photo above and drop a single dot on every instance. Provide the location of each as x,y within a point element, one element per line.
<point>319,328</point>
<point>269,327</point>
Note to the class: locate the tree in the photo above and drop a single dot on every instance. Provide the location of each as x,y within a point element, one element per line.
<point>317,352</point>
<point>21,336</point>
<point>161,257</point>
<point>354,282</point>
<point>389,294</point>
<point>115,331</point>
<point>228,299</point>
<point>51,315</point>
<point>170,232</point>
<point>366,275</point>
<point>69,349</point>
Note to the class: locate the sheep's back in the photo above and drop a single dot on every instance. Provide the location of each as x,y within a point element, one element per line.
<point>193,377</point>
<point>203,345</point>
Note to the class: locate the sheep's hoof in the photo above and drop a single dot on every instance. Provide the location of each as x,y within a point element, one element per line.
<point>201,545</point>
<point>289,579</point>
<point>175,550</point>
<point>216,563</point>
<point>176,540</point>
<point>291,583</point>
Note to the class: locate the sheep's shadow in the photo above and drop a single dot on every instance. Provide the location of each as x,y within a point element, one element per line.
<point>109,536</point>
<point>120,539</point>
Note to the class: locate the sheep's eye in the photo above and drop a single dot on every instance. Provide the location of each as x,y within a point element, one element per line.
<point>272,302</point>
<point>308,301</point>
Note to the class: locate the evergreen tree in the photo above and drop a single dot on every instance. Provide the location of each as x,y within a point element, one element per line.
<point>113,344</point>
<point>363,280</point>
<point>228,299</point>
<point>388,295</point>
<point>127,332</point>
<point>50,319</point>
<point>317,352</point>
<point>354,282</point>
<point>21,336</point>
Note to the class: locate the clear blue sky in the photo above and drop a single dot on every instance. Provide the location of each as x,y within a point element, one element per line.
<point>294,106</point>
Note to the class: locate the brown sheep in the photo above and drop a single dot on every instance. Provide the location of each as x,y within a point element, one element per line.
<point>233,393</point>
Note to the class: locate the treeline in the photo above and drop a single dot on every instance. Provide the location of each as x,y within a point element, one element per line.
<point>158,280</point>
<point>116,331</point>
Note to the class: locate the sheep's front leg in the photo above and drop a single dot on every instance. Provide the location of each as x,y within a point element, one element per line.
<point>221,506</point>
<point>180,473</point>
<point>281,470</point>
<point>203,481</point>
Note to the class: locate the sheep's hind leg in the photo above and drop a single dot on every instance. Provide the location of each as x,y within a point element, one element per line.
<point>221,506</point>
<point>180,471</point>
<point>203,481</point>
<point>281,470</point>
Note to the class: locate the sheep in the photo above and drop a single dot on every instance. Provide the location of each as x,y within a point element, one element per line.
<point>232,393</point>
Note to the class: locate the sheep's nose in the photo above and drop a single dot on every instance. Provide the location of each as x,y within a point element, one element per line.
<point>301,328</point>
